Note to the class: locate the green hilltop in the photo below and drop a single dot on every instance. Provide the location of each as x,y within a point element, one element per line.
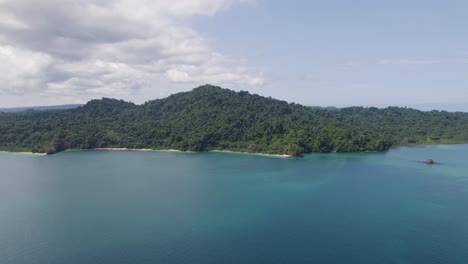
<point>213,118</point>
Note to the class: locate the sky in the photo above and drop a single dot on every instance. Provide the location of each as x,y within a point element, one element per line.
<point>320,53</point>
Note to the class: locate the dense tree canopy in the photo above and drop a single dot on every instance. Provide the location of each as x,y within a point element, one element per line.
<point>209,118</point>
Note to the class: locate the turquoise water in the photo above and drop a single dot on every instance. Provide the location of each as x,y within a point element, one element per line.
<point>161,207</point>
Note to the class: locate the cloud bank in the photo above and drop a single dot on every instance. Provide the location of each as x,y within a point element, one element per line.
<point>93,48</point>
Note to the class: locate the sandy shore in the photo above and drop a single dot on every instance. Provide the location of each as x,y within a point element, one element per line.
<point>24,153</point>
<point>161,150</point>
<point>218,151</point>
<point>173,150</point>
<point>122,149</point>
<point>158,150</point>
<point>257,154</point>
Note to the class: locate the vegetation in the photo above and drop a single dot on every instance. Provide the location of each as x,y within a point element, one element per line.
<point>212,118</point>
<point>39,108</point>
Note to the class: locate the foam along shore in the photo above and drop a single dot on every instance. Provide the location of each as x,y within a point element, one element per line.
<point>218,151</point>
<point>131,149</point>
<point>162,150</point>
<point>24,153</point>
<point>257,154</point>
<point>122,149</point>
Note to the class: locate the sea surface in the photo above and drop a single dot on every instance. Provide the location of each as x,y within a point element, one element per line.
<point>112,207</point>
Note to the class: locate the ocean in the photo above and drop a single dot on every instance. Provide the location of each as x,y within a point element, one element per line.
<point>112,207</point>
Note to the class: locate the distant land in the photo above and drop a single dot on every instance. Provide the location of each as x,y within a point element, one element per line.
<point>39,108</point>
<point>212,118</point>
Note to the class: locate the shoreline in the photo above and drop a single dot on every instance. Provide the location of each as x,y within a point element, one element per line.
<point>253,153</point>
<point>182,151</point>
<point>24,153</point>
<point>116,149</point>
<point>228,151</point>
<point>130,149</point>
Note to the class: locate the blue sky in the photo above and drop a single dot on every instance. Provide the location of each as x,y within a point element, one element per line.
<point>352,52</point>
<point>326,53</point>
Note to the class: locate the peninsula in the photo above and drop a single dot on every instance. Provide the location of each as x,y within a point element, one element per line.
<point>212,118</point>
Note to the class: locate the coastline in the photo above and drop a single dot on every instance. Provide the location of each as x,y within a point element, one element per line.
<point>229,151</point>
<point>176,150</point>
<point>130,149</point>
<point>253,153</point>
<point>24,153</point>
<point>118,149</point>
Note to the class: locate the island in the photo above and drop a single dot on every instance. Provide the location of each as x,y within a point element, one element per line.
<point>430,162</point>
<point>213,118</point>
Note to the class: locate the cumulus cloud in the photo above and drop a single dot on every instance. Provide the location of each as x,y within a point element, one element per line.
<point>22,70</point>
<point>111,47</point>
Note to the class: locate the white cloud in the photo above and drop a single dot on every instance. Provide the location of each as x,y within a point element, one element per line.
<point>407,62</point>
<point>22,70</point>
<point>112,48</point>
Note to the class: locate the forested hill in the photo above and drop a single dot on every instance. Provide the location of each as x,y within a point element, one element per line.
<point>39,108</point>
<point>212,118</point>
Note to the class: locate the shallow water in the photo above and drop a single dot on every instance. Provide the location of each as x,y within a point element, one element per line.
<point>162,207</point>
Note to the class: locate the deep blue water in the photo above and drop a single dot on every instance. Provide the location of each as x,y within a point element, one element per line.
<point>160,207</point>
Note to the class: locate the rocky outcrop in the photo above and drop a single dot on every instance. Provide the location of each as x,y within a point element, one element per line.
<point>430,162</point>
